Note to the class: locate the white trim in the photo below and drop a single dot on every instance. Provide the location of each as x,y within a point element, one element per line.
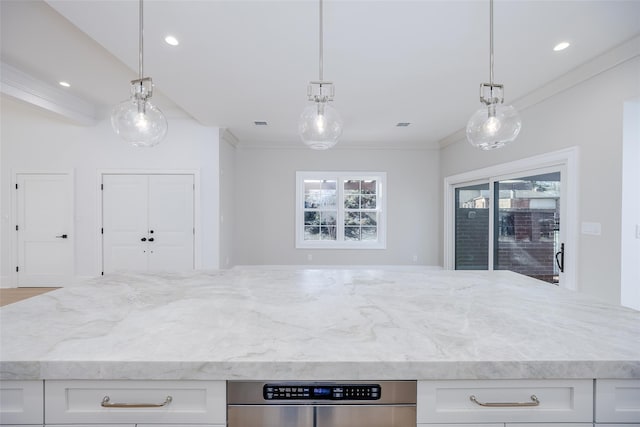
<point>13,275</point>
<point>340,243</point>
<point>197,241</point>
<point>566,158</point>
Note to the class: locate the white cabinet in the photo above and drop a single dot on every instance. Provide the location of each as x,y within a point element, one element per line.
<point>21,402</point>
<point>617,401</point>
<point>505,401</point>
<point>135,402</point>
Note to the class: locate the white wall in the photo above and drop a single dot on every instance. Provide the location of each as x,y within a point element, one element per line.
<point>227,201</point>
<point>630,265</point>
<point>265,204</point>
<point>590,116</point>
<point>32,140</point>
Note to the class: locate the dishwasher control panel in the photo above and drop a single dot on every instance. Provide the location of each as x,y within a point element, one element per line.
<point>321,391</point>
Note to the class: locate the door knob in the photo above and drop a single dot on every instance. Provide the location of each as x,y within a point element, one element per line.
<point>144,239</point>
<point>64,236</point>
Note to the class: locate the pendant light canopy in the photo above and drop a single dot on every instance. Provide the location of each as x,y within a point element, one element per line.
<point>495,124</point>
<point>136,120</point>
<point>320,124</point>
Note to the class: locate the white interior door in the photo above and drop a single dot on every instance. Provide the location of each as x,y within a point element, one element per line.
<point>171,223</point>
<point>148,222</point>
<point>124,222</point>
<point>44,229</point>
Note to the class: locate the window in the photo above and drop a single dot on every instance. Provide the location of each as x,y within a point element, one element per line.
<point>340,210</point>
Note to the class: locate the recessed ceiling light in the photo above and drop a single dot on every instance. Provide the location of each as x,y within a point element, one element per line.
<point>403,124</point>
<point>561,46</point>
<point>171,40</point>
<point>260,123</point>
<point>64,84</point>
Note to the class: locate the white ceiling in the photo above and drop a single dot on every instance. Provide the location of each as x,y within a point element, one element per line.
<point>241,61</point>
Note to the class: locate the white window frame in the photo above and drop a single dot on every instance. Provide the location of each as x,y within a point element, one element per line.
<point>565,160</point>
<point>340,177</point>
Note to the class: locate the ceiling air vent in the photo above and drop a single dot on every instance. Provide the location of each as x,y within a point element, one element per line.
<point>403,124</point>
<point>260,123</point>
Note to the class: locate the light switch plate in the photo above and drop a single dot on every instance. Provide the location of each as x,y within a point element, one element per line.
<point>591,228</point>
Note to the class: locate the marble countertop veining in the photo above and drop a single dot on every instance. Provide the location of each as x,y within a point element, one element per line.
<point>287,323</point>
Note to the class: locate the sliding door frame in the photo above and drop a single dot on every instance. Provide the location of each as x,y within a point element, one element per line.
<point>565,160</point>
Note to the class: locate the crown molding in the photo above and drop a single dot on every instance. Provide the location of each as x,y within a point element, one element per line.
<point>590,69</point>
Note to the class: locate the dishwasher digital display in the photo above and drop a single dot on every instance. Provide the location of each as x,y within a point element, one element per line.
<point>321,392</point>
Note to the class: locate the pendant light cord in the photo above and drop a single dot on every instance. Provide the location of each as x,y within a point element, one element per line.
<point>491,42</point>
<point>321,36</point>
<point>141,41</point>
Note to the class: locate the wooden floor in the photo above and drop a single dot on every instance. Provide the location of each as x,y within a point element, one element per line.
<point>11,295</point>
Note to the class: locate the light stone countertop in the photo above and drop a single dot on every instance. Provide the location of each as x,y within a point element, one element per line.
<point>287,323</point>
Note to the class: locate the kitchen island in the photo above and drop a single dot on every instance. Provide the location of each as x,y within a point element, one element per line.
<point>290,323</point>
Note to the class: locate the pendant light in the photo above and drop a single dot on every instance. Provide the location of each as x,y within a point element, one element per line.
<point>136,120</point>
<point>320,124</point>
<point>495,124</point>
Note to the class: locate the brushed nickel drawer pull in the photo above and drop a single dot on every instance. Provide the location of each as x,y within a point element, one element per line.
<point>107,404</point>
<point>534,402</point>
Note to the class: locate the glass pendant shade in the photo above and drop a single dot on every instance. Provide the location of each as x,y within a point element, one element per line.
<point>320,126</point>
<point>139,122</point>
<point>493,126</point>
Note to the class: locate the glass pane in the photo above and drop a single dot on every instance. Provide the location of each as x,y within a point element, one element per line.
<point>328,233</point>
<point>352,218</point>
<point>352,187</point>
<point>368,202</point>
<point>369,187</point>
<point>311,218</point>
<point>352,233</point>
<point>352,202</point>
<point>311,233</point>
<point>369,218</point>
<point>527,226</point>
<point>369,233</point>
<point>472,227</point>
<point>327,218</point>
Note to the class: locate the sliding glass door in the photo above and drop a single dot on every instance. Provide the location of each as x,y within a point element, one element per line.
<point>511,222</point>
<point>526,232</point>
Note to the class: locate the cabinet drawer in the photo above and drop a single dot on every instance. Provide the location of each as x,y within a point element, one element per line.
<point>618,401</point>
<point>106,402</point>
<point>506,400</point>
<point>21,402</point>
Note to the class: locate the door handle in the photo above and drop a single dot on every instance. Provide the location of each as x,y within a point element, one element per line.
<point>560,258</point>
<point>144,239</point>
<point>64,236</point>
<point>151,239</point>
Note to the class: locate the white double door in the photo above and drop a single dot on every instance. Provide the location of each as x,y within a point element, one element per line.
<point>148,222</point>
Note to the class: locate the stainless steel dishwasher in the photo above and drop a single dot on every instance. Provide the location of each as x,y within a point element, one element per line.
<point>321,404</point>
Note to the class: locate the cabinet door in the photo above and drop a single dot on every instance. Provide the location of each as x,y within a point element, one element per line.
<point>618,401</point>
<point>497,401</point>
<point>21,402</point>
<point>109,402</point>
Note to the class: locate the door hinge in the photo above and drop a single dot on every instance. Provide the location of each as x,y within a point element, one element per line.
<point>101,186</point>
<point>102,231</point>
<point>16,186</point>
<point>16,228</point>
<point>102,273</point>
<point>194,230</point>
<point>17,268</point>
